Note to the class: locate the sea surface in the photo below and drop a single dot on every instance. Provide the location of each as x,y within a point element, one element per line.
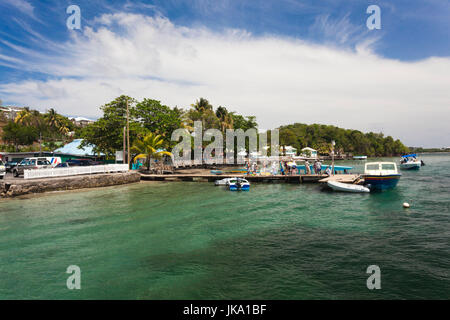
<point>190,240</point>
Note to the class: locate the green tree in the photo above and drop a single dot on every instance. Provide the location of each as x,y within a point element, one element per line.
<point>106,134</point>
<point>19,135</point>
<point>158,118</point>
<point>149,144</point>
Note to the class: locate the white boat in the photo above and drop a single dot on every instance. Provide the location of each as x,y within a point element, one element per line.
<point>410,162</point>
<point>222,182</point>
<point>238,184</point>
<point>411,165</point>
<point>381,175</point>
<point>346,187</point>
<point>359,157</point>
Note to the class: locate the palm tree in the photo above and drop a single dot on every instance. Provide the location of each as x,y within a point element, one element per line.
<point>52,118</point>
<point>24,116</point>
<point>202,105</point>
<point>148,145</point>
<point>56,121</point>
<point>225,117</point>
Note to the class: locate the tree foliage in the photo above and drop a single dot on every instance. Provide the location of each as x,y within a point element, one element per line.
<point>319,137</point>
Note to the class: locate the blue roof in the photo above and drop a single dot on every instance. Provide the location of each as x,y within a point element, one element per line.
<point>72,148</point>
<point>409,155</point>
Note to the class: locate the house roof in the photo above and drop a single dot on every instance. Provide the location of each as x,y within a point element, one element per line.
<point>309,149</point>
<point>72,148</point>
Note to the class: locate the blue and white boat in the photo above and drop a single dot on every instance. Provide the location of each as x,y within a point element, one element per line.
<point>359,157</point>
<point>381,175</point>
<point>238,184</point>
<point>410,162</point>
<point>222,182</point>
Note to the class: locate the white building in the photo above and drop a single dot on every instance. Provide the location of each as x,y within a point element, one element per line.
<point>289,151</point>
<point>311,151</point>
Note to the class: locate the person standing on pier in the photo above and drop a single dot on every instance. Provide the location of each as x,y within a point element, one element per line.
<point>307,167</point>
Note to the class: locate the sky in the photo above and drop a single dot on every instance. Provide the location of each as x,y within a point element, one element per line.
<point>283,61</point>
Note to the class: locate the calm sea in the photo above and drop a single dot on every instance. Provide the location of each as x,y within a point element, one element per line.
<point>185,240</point>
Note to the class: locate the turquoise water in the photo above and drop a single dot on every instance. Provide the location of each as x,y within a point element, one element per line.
<point>186,240</point>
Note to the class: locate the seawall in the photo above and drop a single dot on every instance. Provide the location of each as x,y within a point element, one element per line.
<point>18,187</point>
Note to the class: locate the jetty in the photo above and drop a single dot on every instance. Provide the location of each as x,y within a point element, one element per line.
<point>302,178</point>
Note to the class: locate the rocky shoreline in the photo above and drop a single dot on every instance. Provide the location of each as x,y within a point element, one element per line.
<point>14,188</point>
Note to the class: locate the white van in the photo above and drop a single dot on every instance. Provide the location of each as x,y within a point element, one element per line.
<point>2,170</point>
<point>54,161</point>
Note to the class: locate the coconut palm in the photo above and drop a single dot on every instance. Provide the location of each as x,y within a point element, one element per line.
<point>225,118</point>
<point>24,116</point>
<point>202,105</point>
<point>148,145</point>
<point>56,121</point>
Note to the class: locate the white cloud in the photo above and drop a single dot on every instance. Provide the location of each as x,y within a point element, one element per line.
<point>279,80</point>
<point>23,6</point>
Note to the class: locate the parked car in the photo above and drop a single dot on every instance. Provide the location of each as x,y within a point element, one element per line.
<point>31,164</point>
<point>2,170</point>
<point>80,162</point>
<point>63,165</point>
<point>9,165</point>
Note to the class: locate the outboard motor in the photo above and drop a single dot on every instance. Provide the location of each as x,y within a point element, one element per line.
<point>422,163</point>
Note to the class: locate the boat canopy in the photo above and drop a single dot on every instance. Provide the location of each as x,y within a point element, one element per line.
<point>409,155</point>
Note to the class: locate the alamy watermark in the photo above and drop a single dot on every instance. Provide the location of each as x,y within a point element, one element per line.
<point>74,280</point>
<point>374,280</point>
<point>213,153</point>
<point>74,20</point>
<point>374,20</point>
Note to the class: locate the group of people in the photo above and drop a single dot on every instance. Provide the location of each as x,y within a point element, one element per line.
<point>285,168</point>
<point>317,167</point>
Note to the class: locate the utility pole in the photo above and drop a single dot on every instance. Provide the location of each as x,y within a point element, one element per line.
<point>128,134</point>
<point>124,144</point>
<point>333,143</point>
<point>40,144</point>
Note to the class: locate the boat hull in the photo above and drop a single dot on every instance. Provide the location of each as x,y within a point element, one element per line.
<point>345,187</point>
<point>242,188</point>
<point>376,182</point>
<point>410,166</point>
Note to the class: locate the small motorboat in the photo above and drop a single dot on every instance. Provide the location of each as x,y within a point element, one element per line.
<point>359,157</point>
<point>381,175</point>
<point>222,182</point>
<point>410,162</point>
<point>238,184</point>
<point>346,187</point>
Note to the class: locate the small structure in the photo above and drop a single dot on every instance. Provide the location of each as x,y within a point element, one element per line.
<point>81,122</point>
<point>289,151</point>
<point>10,112</point>
<point>311,151</point>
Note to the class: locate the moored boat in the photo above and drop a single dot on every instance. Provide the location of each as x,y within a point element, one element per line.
<point>381,175</point>
<point>359,157</point>
<point>347,187</point>
<point>222,182</point>
<point>238,184</point>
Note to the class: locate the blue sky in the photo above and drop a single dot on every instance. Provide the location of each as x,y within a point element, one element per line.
<point>37,51</point>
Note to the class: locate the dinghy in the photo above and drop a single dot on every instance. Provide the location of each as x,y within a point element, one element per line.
<point>345,187</point>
